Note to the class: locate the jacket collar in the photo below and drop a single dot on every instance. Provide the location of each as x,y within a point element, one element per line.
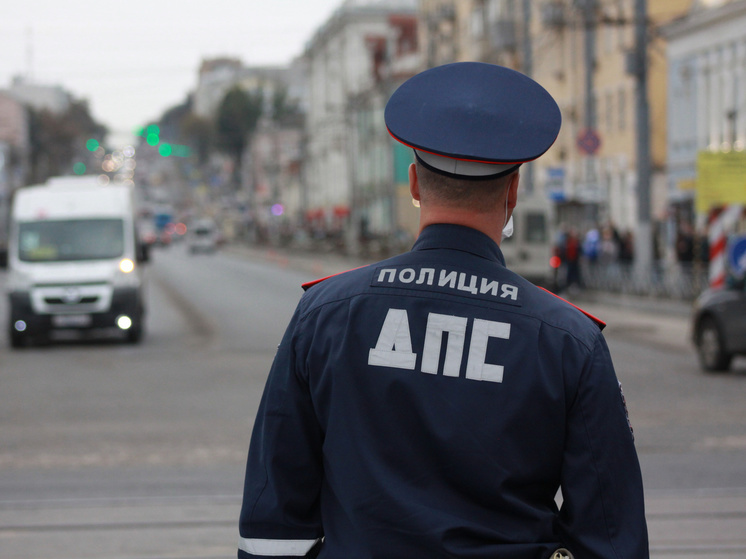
<point>459,237</point>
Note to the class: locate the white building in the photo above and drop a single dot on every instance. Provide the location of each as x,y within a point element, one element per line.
<point>52,98</point>
<point>217,76</point>
<point>342,67</point>
<point>707,90</point>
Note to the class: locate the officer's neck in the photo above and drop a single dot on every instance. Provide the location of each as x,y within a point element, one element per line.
<point>488,222</point>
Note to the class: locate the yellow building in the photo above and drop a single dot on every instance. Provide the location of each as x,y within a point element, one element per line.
<point>591,170</point>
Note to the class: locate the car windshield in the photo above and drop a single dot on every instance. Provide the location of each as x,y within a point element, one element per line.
<point>66,240</point>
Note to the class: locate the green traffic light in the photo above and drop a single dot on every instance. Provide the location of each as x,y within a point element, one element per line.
<point>153,139</point>
<point>181,151</point>
<point>165,150</point>
<point>79,168</point>
<point>92,144</point>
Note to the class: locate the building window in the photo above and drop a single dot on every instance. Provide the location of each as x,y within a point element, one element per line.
<point>622,109</point>
<point>609,111</point>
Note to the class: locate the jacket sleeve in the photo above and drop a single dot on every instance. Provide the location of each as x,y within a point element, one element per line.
<point>280,512</point>
<point>603,513</point>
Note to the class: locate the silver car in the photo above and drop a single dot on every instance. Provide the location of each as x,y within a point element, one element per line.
<point>719,326</point>
<point>203,236</point>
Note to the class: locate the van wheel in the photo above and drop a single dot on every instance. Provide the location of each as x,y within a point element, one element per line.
<point>134,334</point>
<point>17,339</point>
<point>712,355</point>
<point>42,338</point>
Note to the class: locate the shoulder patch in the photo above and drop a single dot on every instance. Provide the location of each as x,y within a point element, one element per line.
<point>309,284</point>
<point>600,323</point>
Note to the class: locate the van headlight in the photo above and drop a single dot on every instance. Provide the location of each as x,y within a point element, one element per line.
<point>126,265</point>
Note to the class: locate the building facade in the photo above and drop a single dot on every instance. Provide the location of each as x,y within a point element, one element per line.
<point>579,51</point>
<point>218,75</point>
<point>346,60</point>
<point>52,98</point>
<point>14,155</point>
<point>273,174</point>
<point>706,100</point>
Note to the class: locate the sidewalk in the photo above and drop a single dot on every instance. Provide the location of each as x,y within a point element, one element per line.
<point>660,322</point>
<point>653,321</point>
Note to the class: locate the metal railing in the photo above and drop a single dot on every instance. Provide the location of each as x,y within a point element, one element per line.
<point>682,281</point>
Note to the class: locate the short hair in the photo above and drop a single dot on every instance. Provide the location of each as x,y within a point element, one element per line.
<point>460,193</point>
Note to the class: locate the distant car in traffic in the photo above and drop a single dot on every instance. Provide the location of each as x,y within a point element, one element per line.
<point>203,236</point>
<point>719,326</point>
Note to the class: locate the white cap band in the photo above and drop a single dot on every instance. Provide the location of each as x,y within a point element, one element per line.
<point>461,168</point>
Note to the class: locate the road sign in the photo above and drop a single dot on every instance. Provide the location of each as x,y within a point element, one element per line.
<point>737,255</point>
<point>589,141</point>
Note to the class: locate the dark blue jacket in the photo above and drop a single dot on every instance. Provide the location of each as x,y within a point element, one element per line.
<point>431,406</point>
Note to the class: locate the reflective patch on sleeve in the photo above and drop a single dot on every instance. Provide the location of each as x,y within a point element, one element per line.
<point>276,548</point>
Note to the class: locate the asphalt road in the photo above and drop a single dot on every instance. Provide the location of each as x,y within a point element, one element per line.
<point>124,452</point>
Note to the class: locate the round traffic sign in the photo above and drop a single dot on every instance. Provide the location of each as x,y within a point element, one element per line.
<point>589,141</point>
<point>737,255</point>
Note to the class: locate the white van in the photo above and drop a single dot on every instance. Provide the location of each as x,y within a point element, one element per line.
<point>74,260</point>
<point>529,251</point>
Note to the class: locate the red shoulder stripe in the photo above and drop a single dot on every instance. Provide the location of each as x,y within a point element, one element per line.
<point>601,324</point>
<point>306,286</point>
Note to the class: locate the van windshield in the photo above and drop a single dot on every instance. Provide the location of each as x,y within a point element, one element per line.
<point>74,239</point>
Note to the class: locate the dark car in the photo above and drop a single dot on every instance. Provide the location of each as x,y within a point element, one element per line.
<point>719,326</point>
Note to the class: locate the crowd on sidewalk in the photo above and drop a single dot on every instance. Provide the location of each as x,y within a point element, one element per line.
<point>602,258</point>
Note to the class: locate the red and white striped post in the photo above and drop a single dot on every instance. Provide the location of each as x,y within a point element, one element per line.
<point>722,222</point>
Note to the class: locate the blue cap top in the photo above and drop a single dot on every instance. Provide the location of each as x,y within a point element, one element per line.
<point>473,120</point>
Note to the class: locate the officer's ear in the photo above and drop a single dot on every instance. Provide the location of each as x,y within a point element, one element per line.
<point>414,182</point>
<point>512,193</point>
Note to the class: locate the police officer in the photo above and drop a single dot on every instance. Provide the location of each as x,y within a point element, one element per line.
<point>433,404</point>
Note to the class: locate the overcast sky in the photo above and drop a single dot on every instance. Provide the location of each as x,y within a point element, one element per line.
<point>132,59</point>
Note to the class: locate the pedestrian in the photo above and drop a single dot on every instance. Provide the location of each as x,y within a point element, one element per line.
<point>591,245</point>
<point>433,404</point>
<point>572,251</point>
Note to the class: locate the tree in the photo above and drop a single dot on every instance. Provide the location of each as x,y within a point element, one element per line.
<point>57,138</point>
<point>284,109</point>
<point>237,119</point>
<point>199,134</point>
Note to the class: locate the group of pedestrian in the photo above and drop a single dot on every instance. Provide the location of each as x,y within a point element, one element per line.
<point>691,246</point>
<point>600,249</point>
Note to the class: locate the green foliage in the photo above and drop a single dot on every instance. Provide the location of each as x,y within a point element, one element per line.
<point>237,118</point>
<point>283,108</point>
<point>199,134</point>
<point>56,140</point>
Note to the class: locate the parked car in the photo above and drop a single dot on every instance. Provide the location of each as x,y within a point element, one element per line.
<point>719,326</point>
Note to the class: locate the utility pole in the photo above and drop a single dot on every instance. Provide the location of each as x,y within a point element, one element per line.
<point>588,8</point>
<point>643,237</point>
<point>528,69</point>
